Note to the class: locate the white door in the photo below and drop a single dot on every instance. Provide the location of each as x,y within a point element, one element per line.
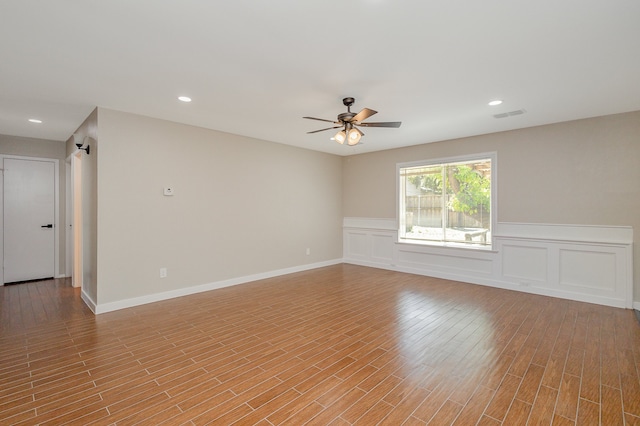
<point>29,218</point>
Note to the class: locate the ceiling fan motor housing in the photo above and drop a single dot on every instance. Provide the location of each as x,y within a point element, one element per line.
<point>346,117</point>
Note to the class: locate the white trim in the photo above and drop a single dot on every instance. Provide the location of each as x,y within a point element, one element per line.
<point>68,243</point>
<point>370,223</point>
<point>636,306</point>
<point>577,233</point>
<point>89,301</point>
<point>536,231</point>
<point>142,300</point>
<point>1,222</point>
<point>442,160</point>
<point>76,243</point>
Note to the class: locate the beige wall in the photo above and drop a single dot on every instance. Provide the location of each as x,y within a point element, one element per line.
<point>240,206</point>
<point>29,147</point>
<point>579,172</point>
<point>89,128</point>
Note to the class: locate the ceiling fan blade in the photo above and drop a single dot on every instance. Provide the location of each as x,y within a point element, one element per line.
<point>321,119</point>
<point>364,114</point>
<point>322,130</point>
<point>382,124</point>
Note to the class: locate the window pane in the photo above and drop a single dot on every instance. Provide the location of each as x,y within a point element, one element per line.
<point>447,202</point>
<point>424,203</point>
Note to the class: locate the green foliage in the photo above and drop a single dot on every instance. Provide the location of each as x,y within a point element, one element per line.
<point>416,180</point>
<point>430,183</point>
<point>474,191</point>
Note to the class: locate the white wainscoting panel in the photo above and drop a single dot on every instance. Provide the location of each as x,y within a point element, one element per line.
<point>358,245</point>
<point>448,261</point>
<point>585,263</point>
<point>525,264</point>
<point>588,269</point>
<point>382,247</point>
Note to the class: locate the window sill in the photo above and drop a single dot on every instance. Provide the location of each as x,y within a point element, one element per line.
<point>448,245</point>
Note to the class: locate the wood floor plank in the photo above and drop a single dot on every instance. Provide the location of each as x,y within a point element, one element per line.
<point>339,345</point>
<point>543,406</point>
<point>630,392</point>
<point>503,398</point>
<point>631,420</point>
<point>305,415</point>
<point>568,396</point>
<point>375,415</point>
<point>436,399</point>
<point>272,405</point>
<point>374,396</point>
<point>351,382</point>
<point>338,406</point>
<point>530,384</point>
<point>612,411</point>
<point>476,406</point>
<point>405,408</point>
<point>497,371</point>
<point>588,413</point>
<point>518,413</point>
<point>290,409</point>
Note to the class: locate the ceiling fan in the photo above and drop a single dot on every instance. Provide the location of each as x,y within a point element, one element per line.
<point>348,122</point>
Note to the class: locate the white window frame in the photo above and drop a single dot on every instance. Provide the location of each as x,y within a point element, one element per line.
<point>400,216</point>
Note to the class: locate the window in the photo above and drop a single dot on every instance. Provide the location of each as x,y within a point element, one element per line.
<point>447,201</point>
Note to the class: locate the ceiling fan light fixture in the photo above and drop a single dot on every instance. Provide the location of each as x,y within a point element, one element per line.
<point>354,136</point>
<point>340,137</point>
<point>347,121</point>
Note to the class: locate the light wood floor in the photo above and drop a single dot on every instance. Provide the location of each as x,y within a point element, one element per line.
<point>339,345</point>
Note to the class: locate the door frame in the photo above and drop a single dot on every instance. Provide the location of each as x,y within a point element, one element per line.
<point>68,220</point>
<point>56,213</point>
<point>74,233</point>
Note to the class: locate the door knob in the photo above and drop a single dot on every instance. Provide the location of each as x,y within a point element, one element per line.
<point>49,225</point>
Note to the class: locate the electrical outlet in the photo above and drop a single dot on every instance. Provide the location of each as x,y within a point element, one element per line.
<point>163,272</point>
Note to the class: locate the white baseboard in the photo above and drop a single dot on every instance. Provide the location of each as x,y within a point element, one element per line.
<point>137,301</point>
<point>88,301</point>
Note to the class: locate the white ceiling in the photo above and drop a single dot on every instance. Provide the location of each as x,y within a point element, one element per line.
<point>255,68</point>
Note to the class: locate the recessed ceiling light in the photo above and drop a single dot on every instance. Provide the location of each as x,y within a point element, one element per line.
<point>35,120</point>
<point>496,102</point>
<point>184,98</point>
